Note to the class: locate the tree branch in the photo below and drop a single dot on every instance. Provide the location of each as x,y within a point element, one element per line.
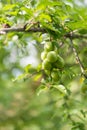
<point>22,29</point>
<point>73,36</point>
<point>38,29</point>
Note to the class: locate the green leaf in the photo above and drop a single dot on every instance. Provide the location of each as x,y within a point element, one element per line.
<point>42,89</point>
<point>9,6</point>
<point>45,17</point>
<point>27,68</point>
<point>61,88</point>
<point>21,77</point>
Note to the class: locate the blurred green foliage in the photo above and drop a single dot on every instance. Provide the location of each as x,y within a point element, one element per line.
<point>27,100</point>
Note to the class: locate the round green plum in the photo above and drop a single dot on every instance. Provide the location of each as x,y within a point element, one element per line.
<point>52,56</point>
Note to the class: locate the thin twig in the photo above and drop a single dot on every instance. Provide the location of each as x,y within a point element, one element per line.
<point>78,59</point>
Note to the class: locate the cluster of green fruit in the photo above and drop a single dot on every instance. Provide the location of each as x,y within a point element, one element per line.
<point>52,61</point>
